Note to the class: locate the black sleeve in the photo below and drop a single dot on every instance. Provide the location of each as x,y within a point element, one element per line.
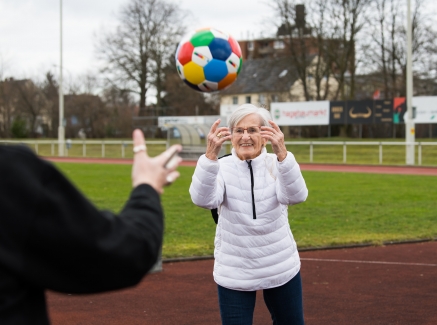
<point>67,245</point>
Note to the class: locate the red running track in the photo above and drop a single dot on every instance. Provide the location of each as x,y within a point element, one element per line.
<point>393,284</point>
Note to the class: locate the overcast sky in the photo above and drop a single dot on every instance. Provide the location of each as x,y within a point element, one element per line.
<point>30,30</point>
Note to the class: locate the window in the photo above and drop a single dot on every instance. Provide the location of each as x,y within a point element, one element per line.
<point>250,46</point>
<point>275,98</point>
<point>235,100</point>
<point>248,100</point>
<point>278,45</point>
<point>262,99</point>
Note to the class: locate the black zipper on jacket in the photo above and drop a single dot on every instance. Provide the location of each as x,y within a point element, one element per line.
<point>249,162</point>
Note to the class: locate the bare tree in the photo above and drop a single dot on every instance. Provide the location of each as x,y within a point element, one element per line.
<point>120,106</point>
<point>348,19</point>
<point>87,112</point>
<point>50,89</point>
<point>386,52</point>
<point>293,27</point>
<point>7,104</point>
<point>181,100</point>
<point>305,28</point>
<point>31,103</point>
<point>423,46</point>
<point>324,47</point>
<point>139,49</point>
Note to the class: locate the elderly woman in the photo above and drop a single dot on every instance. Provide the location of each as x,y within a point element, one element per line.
<point>254,247</point>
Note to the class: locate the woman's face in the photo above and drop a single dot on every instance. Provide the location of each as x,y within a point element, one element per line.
<point>246,137</point>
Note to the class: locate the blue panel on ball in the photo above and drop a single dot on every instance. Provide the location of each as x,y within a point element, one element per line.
<point>220,48</point>
<point>192,86</point>
<point>215,70</point>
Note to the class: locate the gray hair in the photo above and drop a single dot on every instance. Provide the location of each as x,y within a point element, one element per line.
<point>246,109</point>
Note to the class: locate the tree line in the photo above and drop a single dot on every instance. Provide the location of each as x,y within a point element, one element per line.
<point>361,43</point>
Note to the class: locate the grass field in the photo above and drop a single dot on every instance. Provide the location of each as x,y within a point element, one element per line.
<point>342,208</point>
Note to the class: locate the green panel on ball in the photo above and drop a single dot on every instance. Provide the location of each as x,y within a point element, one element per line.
<point>194,73</point>
<point>202,38</point>
<point>241,64</point>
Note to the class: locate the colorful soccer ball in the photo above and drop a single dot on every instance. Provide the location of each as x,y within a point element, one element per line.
<point>208,60</point>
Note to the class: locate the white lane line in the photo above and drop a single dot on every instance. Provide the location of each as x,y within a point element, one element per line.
<point>365,262</point>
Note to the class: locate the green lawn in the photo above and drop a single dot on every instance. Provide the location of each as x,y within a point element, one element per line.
<point>342,208</point>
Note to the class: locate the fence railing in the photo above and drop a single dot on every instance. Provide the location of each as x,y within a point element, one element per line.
<point>84,144</point>
<point>345,144</point>
<point>108,148</point>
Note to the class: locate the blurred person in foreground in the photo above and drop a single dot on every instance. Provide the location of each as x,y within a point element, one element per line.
<point>254,246</point>
<point>52,237</point>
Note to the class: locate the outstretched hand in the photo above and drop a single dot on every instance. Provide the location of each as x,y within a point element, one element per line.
<point>216,137</point>
<point>276,138</point>
<point>146,170</point>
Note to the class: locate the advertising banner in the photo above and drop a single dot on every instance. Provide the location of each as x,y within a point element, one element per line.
<point>337,113</point>
<point>359,112</point>
<point>399,109</point>
<point>383,111</point>
<point>301,113</point>
<point>425,109</point>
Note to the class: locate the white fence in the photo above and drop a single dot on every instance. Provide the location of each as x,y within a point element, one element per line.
<point>123,144</point>
<point>84,143</point>
<point>345,144</point>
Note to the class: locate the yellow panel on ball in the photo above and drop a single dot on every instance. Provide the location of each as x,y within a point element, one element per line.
<point>194,73</point>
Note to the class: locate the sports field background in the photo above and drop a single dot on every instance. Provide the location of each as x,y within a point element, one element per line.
<point>341,209</point>
<point>393,154</point>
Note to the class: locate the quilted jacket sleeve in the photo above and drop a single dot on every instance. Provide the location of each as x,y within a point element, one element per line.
<point>207,188</point>
<point>290,184</point>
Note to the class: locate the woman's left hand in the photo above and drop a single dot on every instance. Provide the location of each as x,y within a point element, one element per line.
<point>276,138</point>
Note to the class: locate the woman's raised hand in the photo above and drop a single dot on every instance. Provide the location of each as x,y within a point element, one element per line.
<point>216,137</point>
<point>276,138</point>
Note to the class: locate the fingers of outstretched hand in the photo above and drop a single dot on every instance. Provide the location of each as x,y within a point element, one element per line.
<point>171,177</point>
<point>152,171</point>
<point>169,158</point>
<point>139,143</point>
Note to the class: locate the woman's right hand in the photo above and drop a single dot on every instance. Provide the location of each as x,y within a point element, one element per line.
<point>216,137</point>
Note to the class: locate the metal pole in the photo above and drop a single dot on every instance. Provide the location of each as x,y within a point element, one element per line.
<point>380,153</point>
<point>344,152</point>
<point>311,152</point>
<point>409,124</point>
<point>61,130</point>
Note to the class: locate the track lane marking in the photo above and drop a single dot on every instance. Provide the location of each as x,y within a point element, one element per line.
<point>365,262</point>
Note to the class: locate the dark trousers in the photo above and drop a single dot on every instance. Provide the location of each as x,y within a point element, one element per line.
<point>284,303</point>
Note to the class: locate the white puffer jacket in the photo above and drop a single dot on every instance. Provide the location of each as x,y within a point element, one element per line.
<point>251,254</point>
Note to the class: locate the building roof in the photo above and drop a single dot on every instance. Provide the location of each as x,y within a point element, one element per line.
<point>264,75</point>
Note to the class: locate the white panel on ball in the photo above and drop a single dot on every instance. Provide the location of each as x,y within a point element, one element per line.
<point>233,63</point>
<point>208,86</point>
<point>219,34</point>
<point>201,55</point>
